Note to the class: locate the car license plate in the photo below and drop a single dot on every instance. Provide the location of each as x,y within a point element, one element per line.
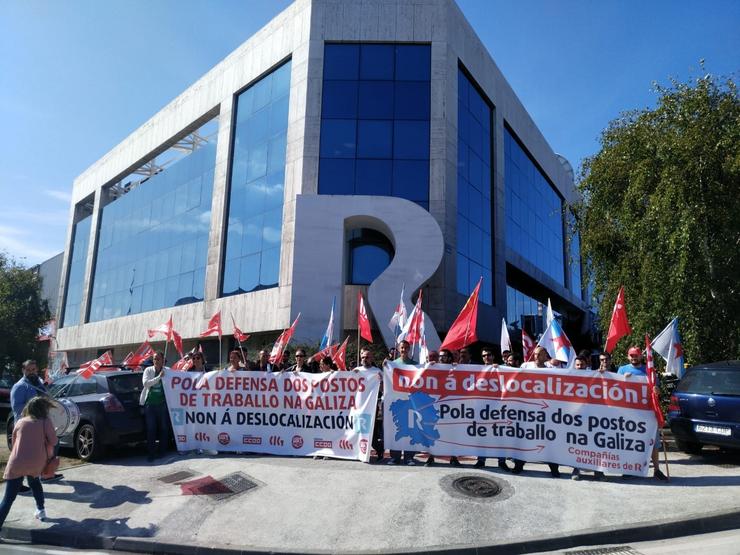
<point>717,430</point>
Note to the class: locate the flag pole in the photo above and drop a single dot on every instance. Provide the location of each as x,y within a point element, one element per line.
<point>665,455</point>
<point>244,358</point>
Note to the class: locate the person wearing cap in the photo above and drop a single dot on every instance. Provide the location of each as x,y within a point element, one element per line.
<point>636,367</point>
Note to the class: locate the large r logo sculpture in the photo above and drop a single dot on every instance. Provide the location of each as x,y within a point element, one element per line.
<point>320,253</point>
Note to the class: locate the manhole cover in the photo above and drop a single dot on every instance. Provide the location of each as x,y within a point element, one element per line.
<point>476,486</point>
<point>238,482</point>
<point>175,477</point>
<point>219,489</point>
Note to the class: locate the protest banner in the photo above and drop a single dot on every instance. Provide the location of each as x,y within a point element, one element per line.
<point>330,414</point>
<point>583,419</point>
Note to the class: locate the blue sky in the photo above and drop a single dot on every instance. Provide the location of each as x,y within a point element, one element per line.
<point>78,76</point>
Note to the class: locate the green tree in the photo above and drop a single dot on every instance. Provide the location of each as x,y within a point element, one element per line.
<point>22,312</point>
<point>661,215</point>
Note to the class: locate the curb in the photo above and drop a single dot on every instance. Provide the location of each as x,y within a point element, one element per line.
<point>648,531</point>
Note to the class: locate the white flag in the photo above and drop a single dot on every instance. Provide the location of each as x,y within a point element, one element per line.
<point>505,340</point>
<point>668,344</point>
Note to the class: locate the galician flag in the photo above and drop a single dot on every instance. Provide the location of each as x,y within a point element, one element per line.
<point>398,320</point>
<point>668,345</point>
<point>558,344</point>
<point>329,333</point>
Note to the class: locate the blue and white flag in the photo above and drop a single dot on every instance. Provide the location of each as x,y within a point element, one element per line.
<point>558,345</point>
<point>398,320</point>
<point>329,333</point>
<point>668,344</point>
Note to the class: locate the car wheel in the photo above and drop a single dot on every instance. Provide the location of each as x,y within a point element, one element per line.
<point>86,442</point>
<point>689,447</point>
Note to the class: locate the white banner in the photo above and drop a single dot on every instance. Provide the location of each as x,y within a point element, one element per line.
<point>583,419</point>
<point>329,414</point>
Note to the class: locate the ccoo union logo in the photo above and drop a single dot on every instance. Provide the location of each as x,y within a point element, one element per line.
<point>224,438</point>
<point>297,442</point>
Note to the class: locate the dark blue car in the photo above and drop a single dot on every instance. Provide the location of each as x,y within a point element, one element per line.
<point>705,407</point>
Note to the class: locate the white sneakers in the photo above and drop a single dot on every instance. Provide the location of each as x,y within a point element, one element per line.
<point>40,514</point>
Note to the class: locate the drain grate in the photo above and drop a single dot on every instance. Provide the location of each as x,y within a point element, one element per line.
<point>218,489</point>
<point>476,486</point>
<point>616,550</point>
<point>175,477</point>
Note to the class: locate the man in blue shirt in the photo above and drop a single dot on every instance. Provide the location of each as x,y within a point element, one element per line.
<point>25,389</point>
<point>636,367</point>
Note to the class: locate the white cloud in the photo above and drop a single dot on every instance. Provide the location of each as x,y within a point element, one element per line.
<point>22,247</point>
<point>64,196</point>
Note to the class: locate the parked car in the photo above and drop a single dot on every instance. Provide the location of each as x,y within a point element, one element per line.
<point>109,412</point>
<point>705,407</point>
<point>5,386</point>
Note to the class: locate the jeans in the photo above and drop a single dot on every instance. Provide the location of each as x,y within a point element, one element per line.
<point>157,427</point>
<point>12,487</point>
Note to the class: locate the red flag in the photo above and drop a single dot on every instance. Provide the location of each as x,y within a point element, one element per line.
<point>363,322</point>
<point>214,326</point>
<point>239,334</point>
<point>413,332</point>
<point>277,349</point>
<point>340,357</point>
<point>165,329</point>
<point>651,378</point>
<point>184,364</point>
<point>619,326</point>
<point>327,352</point>
<point>139,356</point>
<point>462,331</point>
<point>89,368</point>
<point>527,346</point>
<point>177,340</point>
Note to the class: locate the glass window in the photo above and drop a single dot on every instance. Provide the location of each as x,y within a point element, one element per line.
<point>254,230</point>
<point>336,176</point>
<point>376,61</point>
<point>413,63</point>
<point>340,99</point>
<point>341,61</point>
<point>411,140</point>
<point>370,253</point>
<point>153,232</point>
<point>76,280</point>
<point>374,139</point>
<point>412,100</point>
<point>474,209</point>
<point>375,100</point>
<point>338,138</point>
<point>388,133</point>
<point>374,177</point>
<point>534,204</point>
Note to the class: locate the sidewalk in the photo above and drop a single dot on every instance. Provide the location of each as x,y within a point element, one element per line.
<point>269,504</point>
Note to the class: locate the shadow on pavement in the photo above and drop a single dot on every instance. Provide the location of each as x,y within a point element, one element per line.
<point>99,497</point>
<point>114,527</point>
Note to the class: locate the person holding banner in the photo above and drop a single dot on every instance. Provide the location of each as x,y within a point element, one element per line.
<point>263,362</point>
<point>155,407</point>
<point>605,362</point>
<point>367,363</point>
<point>198,363</point>
<point>326,365</point>
<point>301,363</point>
<point>235,361</point>
<point>541,360</point>
<point>636,367</point>
<point>405,358</point>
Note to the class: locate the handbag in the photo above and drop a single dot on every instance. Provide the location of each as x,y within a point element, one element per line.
<point>52,463</point>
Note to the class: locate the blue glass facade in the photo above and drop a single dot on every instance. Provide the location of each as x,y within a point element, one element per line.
<point>257,184</point>
<point>574,257</point>
<point>534,212</point>
<point>76,281</point>
<point>474,206</point>
<point>375,114</point>
<point>523,311</point>
<point>370,252</point>
<point>153,241</point>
